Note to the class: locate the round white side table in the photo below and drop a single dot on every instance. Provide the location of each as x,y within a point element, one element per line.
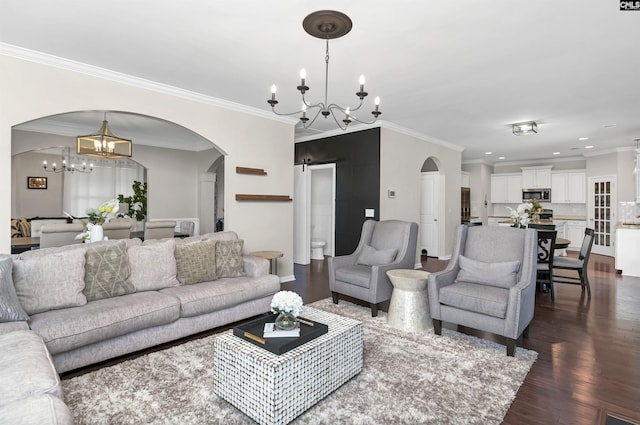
<point>409,306</point>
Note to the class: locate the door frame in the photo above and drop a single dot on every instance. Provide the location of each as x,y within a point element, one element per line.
<point>437,210</point>
<point>599,249</point>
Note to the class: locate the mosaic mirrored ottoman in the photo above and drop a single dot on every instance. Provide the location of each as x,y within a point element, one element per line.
<point>275,389</point>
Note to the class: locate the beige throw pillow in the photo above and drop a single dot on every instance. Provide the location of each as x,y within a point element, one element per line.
<point>196,262</point>
<point>50,282</point>
<point>107,271</point>
<point>229,261</point>
<point>153,266</point>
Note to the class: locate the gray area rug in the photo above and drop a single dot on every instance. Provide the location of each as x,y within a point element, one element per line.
<point>407,378</point>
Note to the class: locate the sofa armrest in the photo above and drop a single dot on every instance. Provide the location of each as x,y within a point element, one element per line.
<point>6,327</point>
<point>255,266</point>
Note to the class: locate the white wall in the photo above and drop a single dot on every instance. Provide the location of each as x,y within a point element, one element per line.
<point>248,138</point>
<point>401,158</point>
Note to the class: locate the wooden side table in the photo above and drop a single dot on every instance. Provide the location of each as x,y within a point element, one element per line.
<point>272,256</point>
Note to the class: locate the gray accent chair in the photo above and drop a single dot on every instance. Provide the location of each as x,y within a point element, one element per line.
<point>60,234</point>
<point>159,229</point>
<point>349,276</point>
<point>505,309</point>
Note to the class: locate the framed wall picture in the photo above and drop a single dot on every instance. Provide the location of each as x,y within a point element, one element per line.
<point>36,182</point>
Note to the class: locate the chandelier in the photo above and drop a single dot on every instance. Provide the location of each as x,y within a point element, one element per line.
<point>67,165</point>
<point>104,144</point>
<point>327,25</point>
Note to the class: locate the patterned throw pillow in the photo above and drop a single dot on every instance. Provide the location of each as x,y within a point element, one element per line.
<point>107,271</point>
<point>196,262</point>
<point>25,227</point>
<point>229,258</point>
<point>50,282</point>
<point>10,308</point>
<point>15,230</point>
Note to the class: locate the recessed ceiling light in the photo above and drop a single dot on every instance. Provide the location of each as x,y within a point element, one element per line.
<point>556,153</point>
<point>589,147</point>
<point>583,138</point>
<point>610,125</point>
<point>501,157</point>
<point>488,153</point>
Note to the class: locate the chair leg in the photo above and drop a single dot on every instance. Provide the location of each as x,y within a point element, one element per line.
<point>525,332</point>
<point>374,309</point>
<point>584,279</point>
<point>335,297</point>
<point>437,326</point>
<point>552,290</point>
<point>511,347</point>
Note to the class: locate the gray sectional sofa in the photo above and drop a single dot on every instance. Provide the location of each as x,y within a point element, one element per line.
<point>91,302</point>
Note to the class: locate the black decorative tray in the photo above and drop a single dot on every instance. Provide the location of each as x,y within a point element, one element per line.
<point>253,332</point>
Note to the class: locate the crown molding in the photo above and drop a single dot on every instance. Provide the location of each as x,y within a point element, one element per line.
<point>424,137</point>
<point>118,77</point>
<point>545,161</point>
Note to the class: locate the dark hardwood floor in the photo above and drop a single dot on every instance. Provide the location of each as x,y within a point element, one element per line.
<point>588,349</point>
<point>588,362</point>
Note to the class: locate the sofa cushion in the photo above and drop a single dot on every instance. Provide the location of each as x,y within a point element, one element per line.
<point>373,257</point>
<point>484,299</point>
<point>229,258</point>
<point>107,271</point>
<point>41,409</point>
<point>207,297</point>
<point>196,262</point>
<point>26,368</point>
<point>357,275</point>
<point>50,282</point>
<point>25,227</point>
<point>10,308</point>
<point>64,330</point>
<point>153,266</point>
<point>503,274</point>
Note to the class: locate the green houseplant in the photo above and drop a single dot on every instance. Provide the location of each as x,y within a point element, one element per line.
<point>137,202</point>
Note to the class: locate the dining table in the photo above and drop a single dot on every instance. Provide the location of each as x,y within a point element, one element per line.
<point>562,243</point>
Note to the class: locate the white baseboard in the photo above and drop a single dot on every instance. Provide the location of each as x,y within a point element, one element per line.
<point>289,278</point>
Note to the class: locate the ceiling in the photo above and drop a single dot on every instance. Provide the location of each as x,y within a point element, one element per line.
<point>461,72</point>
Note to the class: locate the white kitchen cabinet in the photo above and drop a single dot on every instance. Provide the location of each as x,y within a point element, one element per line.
<point>627,242</point>
<point>536,177</point>
<point>506,188</point>
<point>494,221</point>
<point>569,187</point>
<point>574,231</point>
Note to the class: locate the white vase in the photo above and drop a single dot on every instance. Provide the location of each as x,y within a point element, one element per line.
<point>96,234</point>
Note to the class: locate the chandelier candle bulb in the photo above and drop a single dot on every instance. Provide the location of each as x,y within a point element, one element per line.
<point>303,76</point>
<point>361,83</point>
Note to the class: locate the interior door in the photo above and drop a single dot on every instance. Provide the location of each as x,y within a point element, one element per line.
<point>301,216</point>
<point>602,213</point>
<point>429,213</point>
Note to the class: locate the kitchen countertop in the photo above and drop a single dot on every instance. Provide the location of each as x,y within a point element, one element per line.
<point>628,226</point>
<point>555,217</point>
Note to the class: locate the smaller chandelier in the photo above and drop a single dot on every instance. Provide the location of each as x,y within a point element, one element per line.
<point>525,128</point>
<point>66,156</point>
<point>326,25</point>
<point>104,144</point>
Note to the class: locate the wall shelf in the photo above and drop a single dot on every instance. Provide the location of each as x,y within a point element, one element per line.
<point>254,171</point>
<point>272,198</point>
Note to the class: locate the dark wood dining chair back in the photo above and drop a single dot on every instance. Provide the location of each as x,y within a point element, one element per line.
<point>578,265</point>
<point>546,247</point>
<point>541,226</point>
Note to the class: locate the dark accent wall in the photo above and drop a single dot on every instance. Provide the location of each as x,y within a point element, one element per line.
<point>357,158</point>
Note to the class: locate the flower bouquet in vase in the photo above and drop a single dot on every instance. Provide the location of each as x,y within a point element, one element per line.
<point>288,306</point>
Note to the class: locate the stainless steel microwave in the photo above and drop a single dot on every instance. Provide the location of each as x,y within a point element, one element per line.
<point>542,195</point>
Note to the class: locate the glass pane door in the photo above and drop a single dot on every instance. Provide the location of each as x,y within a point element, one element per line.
<point>602,217</point>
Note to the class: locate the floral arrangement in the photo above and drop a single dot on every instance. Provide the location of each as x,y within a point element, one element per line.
<point>524,213</point>
<point>106,210</point>
<point>287,302</point>
<point>98,216</point>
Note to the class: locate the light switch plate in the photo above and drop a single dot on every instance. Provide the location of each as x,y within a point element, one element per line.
<point>369,212</point>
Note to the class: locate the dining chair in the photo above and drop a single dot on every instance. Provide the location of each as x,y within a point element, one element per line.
<point>159,229</point>
<point>578,265</point>
<point>117,229</point>
<point>546,247</point>
<point>540,226</point>
<point>59,234</point>
<point>187,227</point>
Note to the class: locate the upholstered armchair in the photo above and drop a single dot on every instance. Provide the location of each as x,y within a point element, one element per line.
<point>489,283</point>
<point>384,245</point>
<point>117,229</point>
<point>159,229</point>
